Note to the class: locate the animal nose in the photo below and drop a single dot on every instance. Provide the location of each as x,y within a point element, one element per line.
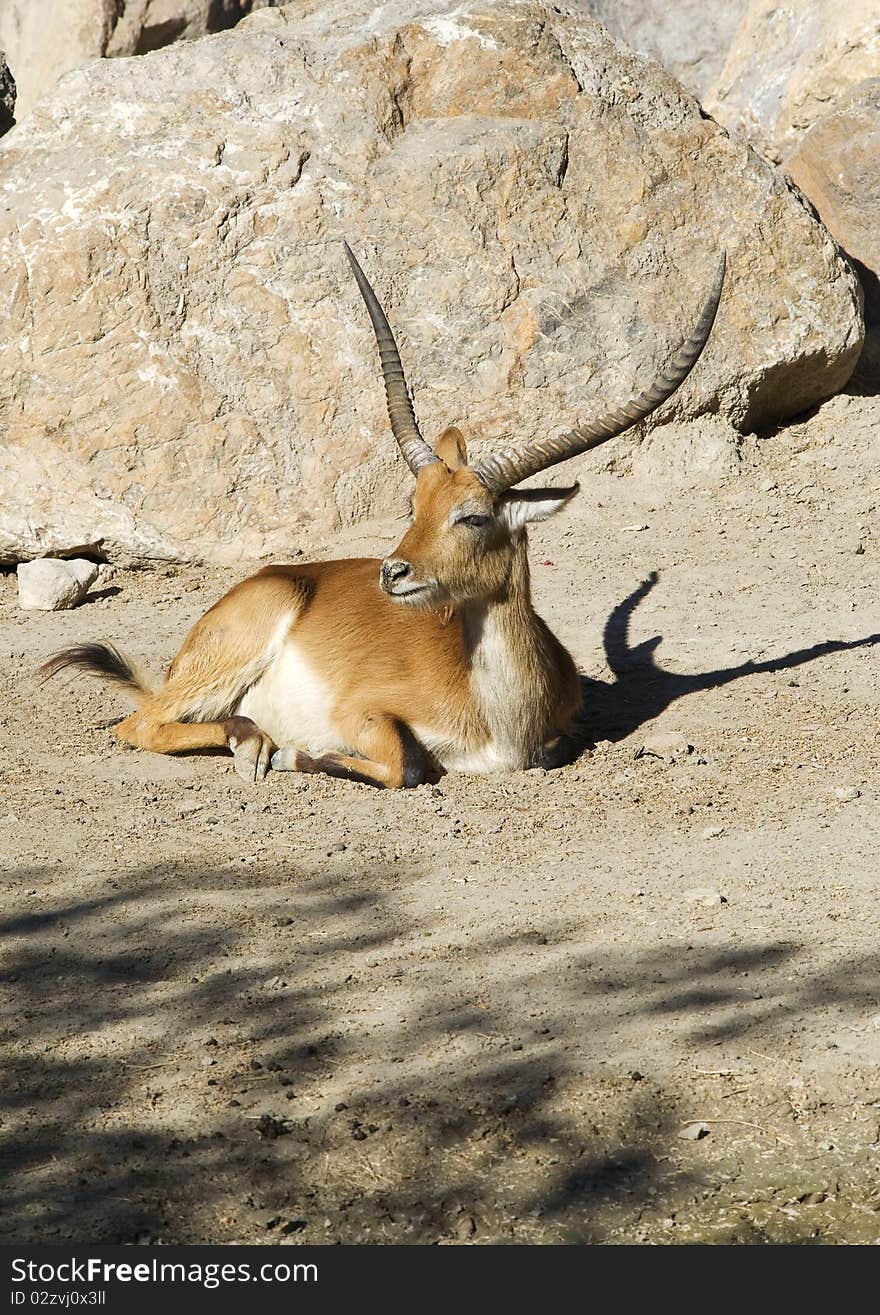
<point>393,571</point>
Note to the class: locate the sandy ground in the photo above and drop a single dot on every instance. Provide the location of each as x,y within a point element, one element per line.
<point>492,1009</point>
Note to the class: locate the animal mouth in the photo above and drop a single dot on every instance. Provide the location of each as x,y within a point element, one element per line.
<point>405,592</point>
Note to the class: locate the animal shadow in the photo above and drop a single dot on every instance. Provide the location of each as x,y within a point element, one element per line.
<point>642,690</point>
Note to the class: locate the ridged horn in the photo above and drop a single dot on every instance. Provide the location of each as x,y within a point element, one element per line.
<point>415,450</point>
<point>506,468</point>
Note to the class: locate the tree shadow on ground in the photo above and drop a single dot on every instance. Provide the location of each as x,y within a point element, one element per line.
<point>642,690</point>
<point>205,1055</point>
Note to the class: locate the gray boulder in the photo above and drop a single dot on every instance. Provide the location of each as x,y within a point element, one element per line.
<point>186,368</point>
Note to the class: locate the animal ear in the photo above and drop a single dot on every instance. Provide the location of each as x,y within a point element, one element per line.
<point>451,448</point>
<point>520,506</point>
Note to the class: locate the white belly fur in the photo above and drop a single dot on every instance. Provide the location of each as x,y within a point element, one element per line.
<point>291,703</point>
<point>489,757</point>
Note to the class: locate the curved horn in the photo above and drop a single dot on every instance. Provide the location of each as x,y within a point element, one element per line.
<point>400,412</point>
<point>507,468</point>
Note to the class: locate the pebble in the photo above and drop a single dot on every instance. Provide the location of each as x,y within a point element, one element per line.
<point>713,832</point>
<point>694,1132</point>
<point>768,485</point>
<point>50,585</point>
<point>707,896</point>
<point>846,793</point>
<point>669,746</point>
<point>269,1127</point>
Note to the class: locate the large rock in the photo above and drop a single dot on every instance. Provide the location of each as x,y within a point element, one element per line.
<point>788,64</point>
<point>837,164</point>
<point>763,69</point>
<point>45,38</point>
<point>690,38</point>
<point>145,25</point>
<point>187,369</point>
<point>790,78</point>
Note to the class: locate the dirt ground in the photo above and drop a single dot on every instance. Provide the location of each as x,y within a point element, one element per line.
<point>492,1009</point>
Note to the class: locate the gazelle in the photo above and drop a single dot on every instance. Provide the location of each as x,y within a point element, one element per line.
<point>386,672</point>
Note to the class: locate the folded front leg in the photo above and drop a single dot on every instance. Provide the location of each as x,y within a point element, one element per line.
<point>251,748</point>
<point>392,756</point>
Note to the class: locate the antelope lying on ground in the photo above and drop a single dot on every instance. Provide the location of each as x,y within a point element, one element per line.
<point>386,671</point>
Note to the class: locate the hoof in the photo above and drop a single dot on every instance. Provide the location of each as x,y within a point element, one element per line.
<point>250,758</point>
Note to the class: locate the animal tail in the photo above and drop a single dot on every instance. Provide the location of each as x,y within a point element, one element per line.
<point>99,660</point>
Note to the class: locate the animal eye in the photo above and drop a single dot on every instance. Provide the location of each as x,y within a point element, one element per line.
<point>477,522</point>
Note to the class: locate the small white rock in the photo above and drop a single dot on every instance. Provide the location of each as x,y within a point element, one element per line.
<point>85,571</point>
<point>694,1131</point>
<point>634,528</point>
<point>670,746</point>
<point>712,832</point>
<point>50,585</point>
<point>846,793</point>
<point>768,485</point>
<point>707,896</point>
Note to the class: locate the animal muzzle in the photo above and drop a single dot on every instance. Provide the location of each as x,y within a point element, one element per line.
<point>395,575</point>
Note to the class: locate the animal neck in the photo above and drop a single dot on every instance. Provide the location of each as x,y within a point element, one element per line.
<point>510,652</point>
<point>507,614</point>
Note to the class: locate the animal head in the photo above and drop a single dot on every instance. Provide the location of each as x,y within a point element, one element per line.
<point>468,520</point>
<point>462,538</point>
